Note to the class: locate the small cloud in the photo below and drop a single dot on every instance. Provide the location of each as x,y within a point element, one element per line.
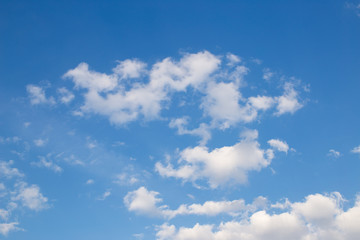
<point>118,144</point>
<point>104,196</point>
<point>125,179</point>
<point>40,142</point>
<point>267,74</point>
<point>279,145</point>
<point>37,95</point>
<point>65,95</point>
<point>333,153</point>
<point>356,150</point>
<point>90,181</point>
<point>48,164</point>
<point>27,124</point>
<point>256,60</point>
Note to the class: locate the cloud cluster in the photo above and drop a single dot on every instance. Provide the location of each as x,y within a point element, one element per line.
<point>16,196</point>
<point>145,202</point>
<point>217,79</point>
<point>318,217</point>
<point>228,164</point>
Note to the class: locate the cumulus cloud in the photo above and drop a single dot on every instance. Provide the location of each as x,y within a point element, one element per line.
<point>203,131</point>
<point>5,228</point>
<point>267,74</point>
<point>37,95</point>
<point>222,104</point>
<point>65,95</point>
<point>318,217</point>
<point>221,165</point>
<point>106,96</point>
<point>262,102</point>
<point>279,145</point>
<point>356,150</point>
<point>334,153</point>
<point>105,195</point>
<point>289,101</point>
<point>7,171</point>
<point>217,79</point>
<point>30,196</point>
<point>130,69</point>
<point>19,197</point>
<point>145,202</point>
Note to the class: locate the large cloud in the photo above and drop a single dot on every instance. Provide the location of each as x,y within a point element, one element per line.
<point>319,217</point>
<point>221,165</point>
<point>134,91</point>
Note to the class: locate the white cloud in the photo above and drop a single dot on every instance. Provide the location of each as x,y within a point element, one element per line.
<point>7,171</point>
<point>123,105</point>
<point>232,59</point>
<point>105,195</point>
<point>5,228</point>
<point>267,74</point>
<point>288,102</point>
<point>90,181</point>
<point>145,202</point>
<point>221,103</point>
<point>65,95</point>
<point>37,95</point>
<point>356,149</point>
<point>47,164</point>
<point>203,131</point>
<point>229,164</point>
<point>130,69</point>
<point>279,145</point>
<point>30,196</point>
<point>319,217</point>
<point>40,142</point>
<point>126,179</point>
<point>4,214</point>
<point>152,90</point>
<point>334,153</point>
<point>262,102</point>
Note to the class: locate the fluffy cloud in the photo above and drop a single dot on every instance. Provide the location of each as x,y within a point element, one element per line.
<point>19,197</point>
<point>5,228</point>
<point>145,202</point>
<point>334,153</point>
<point>130,69</point>
<point>222,104</point>
<point>65,95</point>
<point>37,95</point>
<point>279,145</point>
<point>217,79</point>
<point>289,101</point>
<point>7,171</point>
<point>319,217</point>
<point>123,105</point>
<point>30,196</point>
<point>221,165</point>
<point>203,131</point>
<point>356,150</point>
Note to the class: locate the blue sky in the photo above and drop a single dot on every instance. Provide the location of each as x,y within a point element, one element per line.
<point>179,120</point>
